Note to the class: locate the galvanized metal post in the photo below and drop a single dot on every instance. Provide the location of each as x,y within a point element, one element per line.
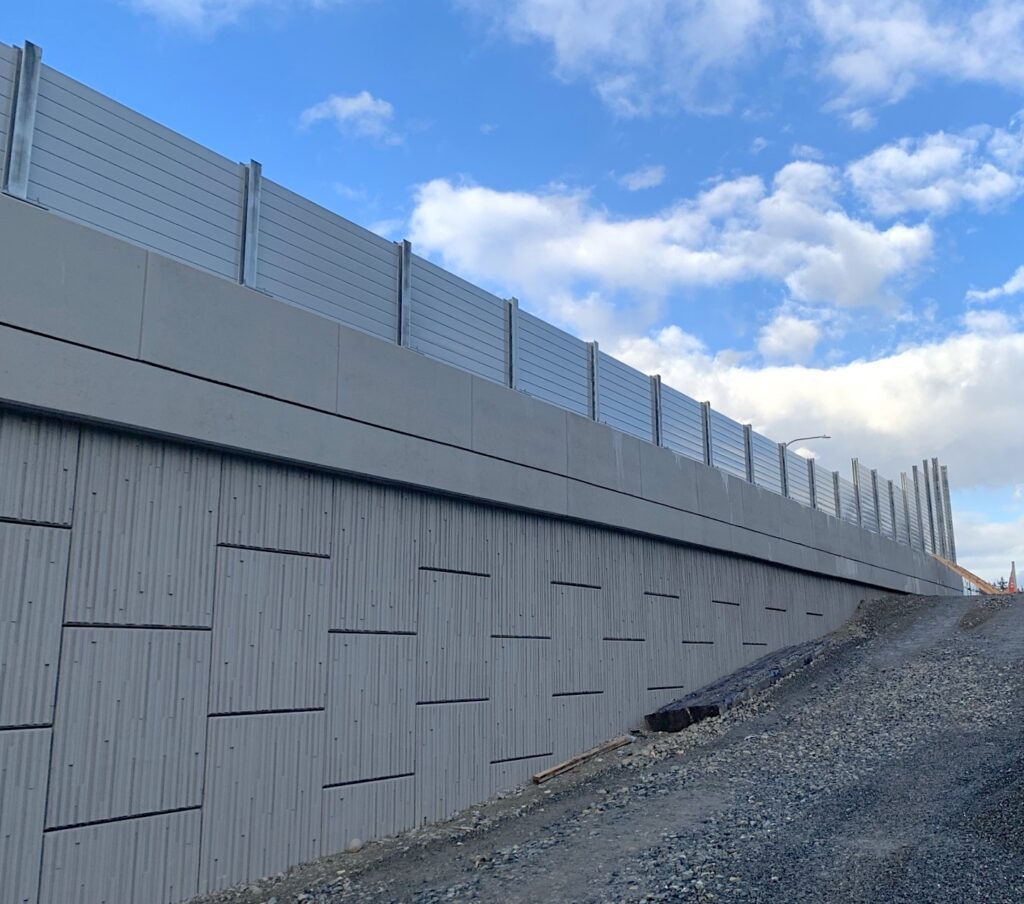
<point>892,510</point>
<point>513,343</point>
<point>948,512</point>
<point>932,533</point>
<point>748,450</point>
<point>251,230</point>
<point>812,481</point>
<point>837,494</point>
<point>705,417</point>
<point>657,436</point>
<point>913,488</point>
<point>856,493</point>
<point>906,508</point>
<point>404,291</point>
<point>595,371</point>
<point>937,508</point>
<point>23,121</point>
<point>784,470</point>
<point>874,496</point>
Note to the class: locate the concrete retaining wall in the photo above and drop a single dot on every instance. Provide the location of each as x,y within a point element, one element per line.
<point>268,583</point>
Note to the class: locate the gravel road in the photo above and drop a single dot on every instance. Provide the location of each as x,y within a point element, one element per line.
<point>889,770</point>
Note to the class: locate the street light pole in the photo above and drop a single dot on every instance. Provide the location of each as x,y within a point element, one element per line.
<point>802,438</point>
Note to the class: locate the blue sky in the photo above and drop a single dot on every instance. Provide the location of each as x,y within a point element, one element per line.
<point>809,213</point>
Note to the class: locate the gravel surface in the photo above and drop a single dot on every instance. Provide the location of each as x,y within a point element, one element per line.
<point>891,769</point>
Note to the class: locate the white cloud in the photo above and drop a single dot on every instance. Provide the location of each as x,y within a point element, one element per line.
<point>1013,286</point>
<point>805,152</point>
<point>941,171</point>
<point>641,55</point>
<point>361,114</point>
<point>788,339</point>
<point>209,15</point>
<point>987,547</point>
<point>571,257</point>
<point>879,51</point>
<point>862,120</point>
<point>947,398</point>
<point>758,144</point>
<point>645,177</point>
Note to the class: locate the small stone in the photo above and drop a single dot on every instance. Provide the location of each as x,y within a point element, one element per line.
<point>354,846</point>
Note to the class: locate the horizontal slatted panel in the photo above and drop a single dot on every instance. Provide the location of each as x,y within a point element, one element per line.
<point>24,756</point>
<point>625,396</point>
<point>553,365</point>
<point>456,322</point>
<point>848,500</point>
<point>8,68</point>
<point>682,424</point>
<point>824,491</point>
<point>33,569</point>
<point>317,260</point>
<point>157,860</point>
<point>798,478</point>
<point>767,466</point>
<point>96,161</point>
<point>727,447</point>
<point>885,524</point>
<point>866,496</point>
<point>916,539</point>
<point>131,724</point>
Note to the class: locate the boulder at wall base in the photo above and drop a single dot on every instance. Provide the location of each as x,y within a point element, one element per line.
<point>679,714</point>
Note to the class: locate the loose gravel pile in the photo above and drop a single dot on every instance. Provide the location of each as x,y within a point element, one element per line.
<point>891,769</point>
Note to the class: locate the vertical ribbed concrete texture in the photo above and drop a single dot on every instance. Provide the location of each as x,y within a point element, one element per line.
<point>214,667</point>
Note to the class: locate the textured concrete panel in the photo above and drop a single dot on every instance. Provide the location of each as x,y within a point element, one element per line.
<point>663,618</point>
<point>521,698</point>
<point>600,455</point>
<point>200,324</point>
<point>142,552</point>
<point>453,643</point>
<point>521,582</point>
<point>375,540</point>
<point>33,569</point>
<point>23,760</point>
<point>511,774</point>
<point>267,506</point>
<point>92,284</point>
<point>451,758</point>
<point>371,711</point>
<point>367,810</point>
<point>261,813</point>
<point>456,536</point>
<point>626,688</point>
<point>579,722</point>
<point>131,723</point>
<point>38,458</point>
<point>623,593</point>
<point>156,857</point>
<point>576,634</point>
<point>269,632</point>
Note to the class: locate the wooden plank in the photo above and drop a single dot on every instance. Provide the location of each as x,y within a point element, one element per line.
<point>573,762</point>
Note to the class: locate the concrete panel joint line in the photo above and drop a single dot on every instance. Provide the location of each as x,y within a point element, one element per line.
<point>23,120</point>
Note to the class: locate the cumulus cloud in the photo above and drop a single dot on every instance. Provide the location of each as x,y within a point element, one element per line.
<point>1013,286</point>
<point>947,398</point>
<point>878,51</point>
<point>571,256</point>
<point>758,144</point>
<point>641,55</point>
<point>987,547</point>
<point>361,114</point>
<point>645,177</point>
<point>941,171</point>
<point>788,338</point>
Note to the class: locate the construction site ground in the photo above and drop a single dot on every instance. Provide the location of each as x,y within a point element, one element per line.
<point>891,769</point>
